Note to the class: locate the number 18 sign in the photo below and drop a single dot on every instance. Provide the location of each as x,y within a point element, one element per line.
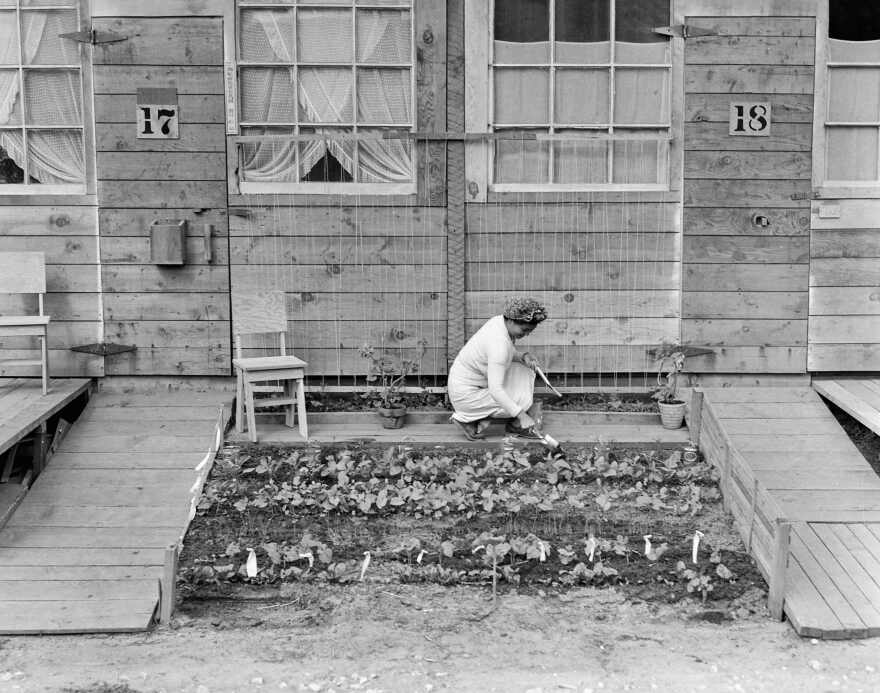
<point>157,113</point>
<point>751,119</point>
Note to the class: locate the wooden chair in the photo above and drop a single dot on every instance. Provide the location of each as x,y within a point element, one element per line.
<point>260,314</point>
<point>25,273</point>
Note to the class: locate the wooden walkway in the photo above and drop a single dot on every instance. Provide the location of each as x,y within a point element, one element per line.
<point>858,397</point>
<point>805,501</point>
<point>84,551</point>
<point>434,428</point>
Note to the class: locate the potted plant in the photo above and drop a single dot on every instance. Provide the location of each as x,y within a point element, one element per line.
<point>389,373</point>
<point>666,393</point>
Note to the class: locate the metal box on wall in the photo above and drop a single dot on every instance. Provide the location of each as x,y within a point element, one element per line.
<point>168,242</point>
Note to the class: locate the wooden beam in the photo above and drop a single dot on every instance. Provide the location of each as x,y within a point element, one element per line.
<point>776,593</point>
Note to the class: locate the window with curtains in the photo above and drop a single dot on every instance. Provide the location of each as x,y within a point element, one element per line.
<point>325,91</point>
<point>579,94</point>
<point>852,117</point>
<point>41,98</point>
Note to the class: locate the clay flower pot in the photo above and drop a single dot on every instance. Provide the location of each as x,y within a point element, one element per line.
<point>672,413</point>
<point>392,417</point>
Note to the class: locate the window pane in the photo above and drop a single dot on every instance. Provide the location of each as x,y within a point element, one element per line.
<point>522,31</point>
<point>43,45</point>
<point>55,157</point>
<point>851,153</point>
<point>580,160</point>
<point>581,97</point>
<point>641,96</point>
<point>327,160</point>
<point>854,94</point>
<point>324,36</point>
<point>384,96</point>
<point>635,20</point>
<point>522,96</point>
<point>384,160</point>
<point>52,97</point>
<point>267,95</point>
<point>582,31</point>
<point>521,161</point>
<point>325,95</point>
<point>854,51</point>
<point>53,3</point>
<point>11,172</point>
<point>9,54</point>
<point>853,20</point>
<point>10,108</point>
<point>639,161</point>
<point>269,161</point>
<point>266,36</point>
<point>384,36</point>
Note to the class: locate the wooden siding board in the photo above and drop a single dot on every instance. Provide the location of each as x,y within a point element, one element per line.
<point>58,250</point>
<point>727,50</point>
<point>331,250</point>
<point>844,329</point>
<point>320,278</point>
<point>51,220</point>
<point>783,137</point>
<point>844,300</point>
<point>150,278</point>
<point>130,221</point>
<point>787,108</point>
<point>582,304</point>
<point>327,221</point>
<point>628,247</point>
<point>848,243</point>
<point>845,272</point>
<point>732,250</point>
<point>739,221</point>
<point>571,276</point>
<point>596,331</point>
<point>744,304</point>
<point>162,166</point>
<point>747,26</point>
<point>166,306</point>
<point>577,218</point>
<point>121,137</point>
<point>750,359</point>
<point>747,193</point>
<point>746,79</point>
<point>118,250</point>
<point>745,277</point>
<point>187,79</point>
<point>744,332</point>
<point>747,165</point>
<point>844,357</point>
<point>160,41</point>
<point>204,109</point>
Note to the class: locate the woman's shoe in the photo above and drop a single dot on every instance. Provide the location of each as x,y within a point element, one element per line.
<point>469,428</point>
<point>527,433</point>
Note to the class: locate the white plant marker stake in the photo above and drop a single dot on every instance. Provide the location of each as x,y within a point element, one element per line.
<point>365,564</point>
<point>419,557</point>
<point>697,536</point>
<point>251,565</point>
<point>591,547</point>
<point>543,550</point>
<point>647,539</point>
<point>311,558</point>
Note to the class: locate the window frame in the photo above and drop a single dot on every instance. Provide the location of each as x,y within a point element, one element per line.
<point>479,116</point>
<point>823,186</point>
<point>88,185</point>
<point>323,188</point>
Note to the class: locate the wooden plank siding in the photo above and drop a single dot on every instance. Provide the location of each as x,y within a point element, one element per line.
<point>68,237</point>
<point>844,320</point>
<point>744,286</point>
<point>358,269</point>
<point>609,273</point>
<point>176,316</point>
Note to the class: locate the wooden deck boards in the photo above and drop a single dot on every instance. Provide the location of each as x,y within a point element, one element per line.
<point>858,397</point>
<point>787,461</point>
<point>84,551</point>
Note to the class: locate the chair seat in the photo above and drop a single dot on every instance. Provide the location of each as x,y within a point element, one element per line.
<point>268,363</point>
<point>17,320</point>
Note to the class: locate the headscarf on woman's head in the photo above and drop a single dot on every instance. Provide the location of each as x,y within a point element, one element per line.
<point>522,309</point>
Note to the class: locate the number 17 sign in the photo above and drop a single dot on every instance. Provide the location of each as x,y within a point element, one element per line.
<point>157,113</point>
<point>750,118</point>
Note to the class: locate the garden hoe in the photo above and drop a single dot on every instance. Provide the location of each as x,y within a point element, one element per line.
<point>546,439</point>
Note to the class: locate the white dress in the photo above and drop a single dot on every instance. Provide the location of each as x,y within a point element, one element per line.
<point>485,381</point>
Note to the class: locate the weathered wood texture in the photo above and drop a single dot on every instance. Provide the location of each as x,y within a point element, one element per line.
<point>68,238</point>
<point>177,317</point>
<point>85,552</point>
<point>823,580</point>
<point>745,285</point>
<point>844,321</point>
<point>608,271</point>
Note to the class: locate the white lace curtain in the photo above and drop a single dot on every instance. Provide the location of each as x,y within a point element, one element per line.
<point>325,95</point>
<point>53,98</point>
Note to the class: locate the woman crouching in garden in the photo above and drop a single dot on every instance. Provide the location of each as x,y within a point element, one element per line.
<point>490,379</point>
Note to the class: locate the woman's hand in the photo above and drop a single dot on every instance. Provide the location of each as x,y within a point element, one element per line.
<point>529,360</point>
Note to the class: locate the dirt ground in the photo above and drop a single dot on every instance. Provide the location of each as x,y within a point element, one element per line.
<point>405,638</point>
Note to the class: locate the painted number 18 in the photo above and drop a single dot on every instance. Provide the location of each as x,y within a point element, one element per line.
<point>750,119</point>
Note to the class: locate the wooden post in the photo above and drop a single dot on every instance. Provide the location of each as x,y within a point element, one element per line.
<point>696,415</point>
<point>167,586</point>
<point>776,595</point>
<point>725,475</point>
<point>752,518</point>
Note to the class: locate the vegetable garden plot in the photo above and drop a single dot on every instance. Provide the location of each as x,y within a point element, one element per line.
<point>643,520</point>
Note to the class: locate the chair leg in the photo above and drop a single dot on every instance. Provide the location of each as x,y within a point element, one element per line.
<point>45,355</point>
<point>301,409</point>
<point>239,401</point>
<point>288,408</point>
<point>251,416</point>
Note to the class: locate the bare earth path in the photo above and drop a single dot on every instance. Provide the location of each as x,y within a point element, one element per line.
<point>373,637</point>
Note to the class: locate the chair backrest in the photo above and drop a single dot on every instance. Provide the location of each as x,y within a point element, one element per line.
<point>23,273</point>
<point>259,312</point>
